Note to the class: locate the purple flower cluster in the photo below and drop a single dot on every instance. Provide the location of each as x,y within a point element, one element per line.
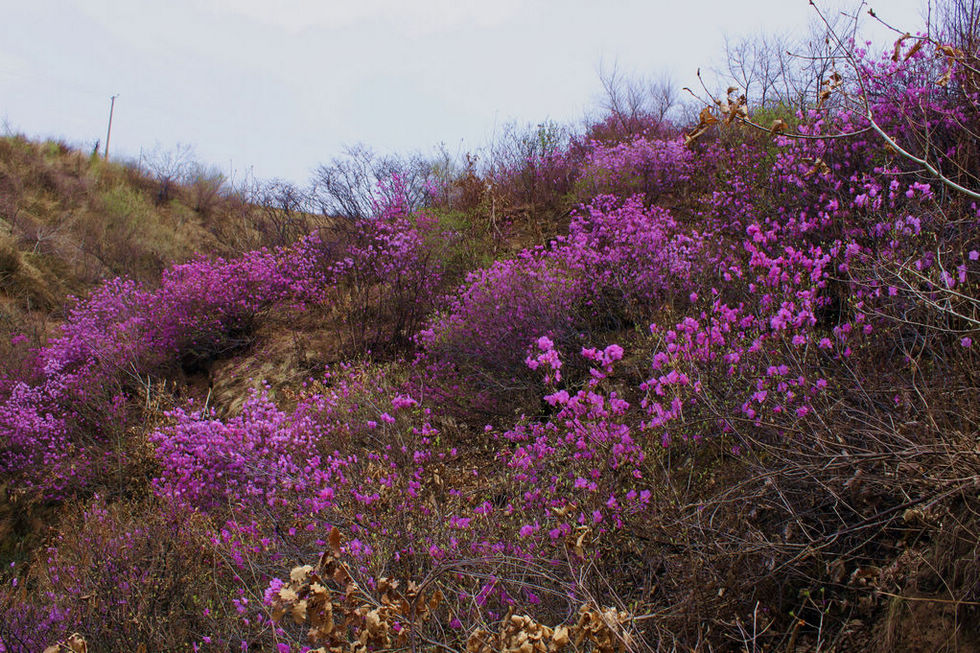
<point>648,166</point>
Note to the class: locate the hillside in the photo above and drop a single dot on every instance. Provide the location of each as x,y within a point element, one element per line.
<point>650,386</point>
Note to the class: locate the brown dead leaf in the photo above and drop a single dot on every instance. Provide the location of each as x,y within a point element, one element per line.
<point>579,547</point>
<point>735,109</point>
<point>318,590</point>
<point>77,644</point>
<point>334,540</point>
<point>299,574</point>
<point>372,620</point>
<point>915,48</point>
<point>560,639</point>
<point>322,619</point>
<point>837,570</point>
<point>914,516</point>
<point>403,608</point>
<point>705,120</point>
<point>480,641</point>
<point>898,46</point>
<point>299,611</point>
<point>435,599</point>
<point>341,575</point>
<point>951,52</point>
<point>706,117</point>
<point>865,575</point>
<point>819,166</point>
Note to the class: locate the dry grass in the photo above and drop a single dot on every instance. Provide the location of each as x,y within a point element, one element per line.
<point>69,220</point>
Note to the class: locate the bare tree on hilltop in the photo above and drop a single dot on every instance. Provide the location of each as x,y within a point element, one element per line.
<point>773,70</point>
<point>958,21</point>
<point>350,186</point>
<point>635,105</point>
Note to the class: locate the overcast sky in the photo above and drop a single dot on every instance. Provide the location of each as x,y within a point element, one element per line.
<point>282,85</point>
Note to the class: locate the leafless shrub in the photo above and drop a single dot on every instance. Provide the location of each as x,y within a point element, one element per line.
<point>774,70</point>
<point>634,105</point>
<point>352,185</point>
<point>205,185</point>
<point>169,167</point>
<point>958,22</point>
<point>529,174</point>
<point>283,210</point>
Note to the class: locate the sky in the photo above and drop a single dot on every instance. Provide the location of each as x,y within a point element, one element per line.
<point>273,88</point>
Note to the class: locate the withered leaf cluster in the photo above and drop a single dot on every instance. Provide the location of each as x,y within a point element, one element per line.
<point>600,630</point>
<point>74,644</point>
<point>342,617</point>
<point>729,109</point>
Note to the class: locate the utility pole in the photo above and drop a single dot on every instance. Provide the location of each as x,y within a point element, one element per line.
<point>108,132</point>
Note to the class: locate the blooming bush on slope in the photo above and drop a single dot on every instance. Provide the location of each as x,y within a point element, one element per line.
<point>805,397</point>
<point>619,261</point>
<point>119,574</point>
<point>648,167</point>
<point>382,278</point>
<point>52,431</point>
<point>387,277</point>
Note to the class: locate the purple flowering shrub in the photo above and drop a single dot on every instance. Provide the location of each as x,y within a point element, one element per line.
<point>253,458</point>
<point>650,167</point>
<point>619,262</point>
<point>480,336</point>
<point>53,430</point>
<point>119,575</point>
<point>575,477</point>
<point>380,280</point>
<point>213,305</point>
<point>774,378</point>
<point>49,427</point>
<point>584,467</point>
<point>632,258</point>
<point>379,277</point>
<point>21,362</point>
